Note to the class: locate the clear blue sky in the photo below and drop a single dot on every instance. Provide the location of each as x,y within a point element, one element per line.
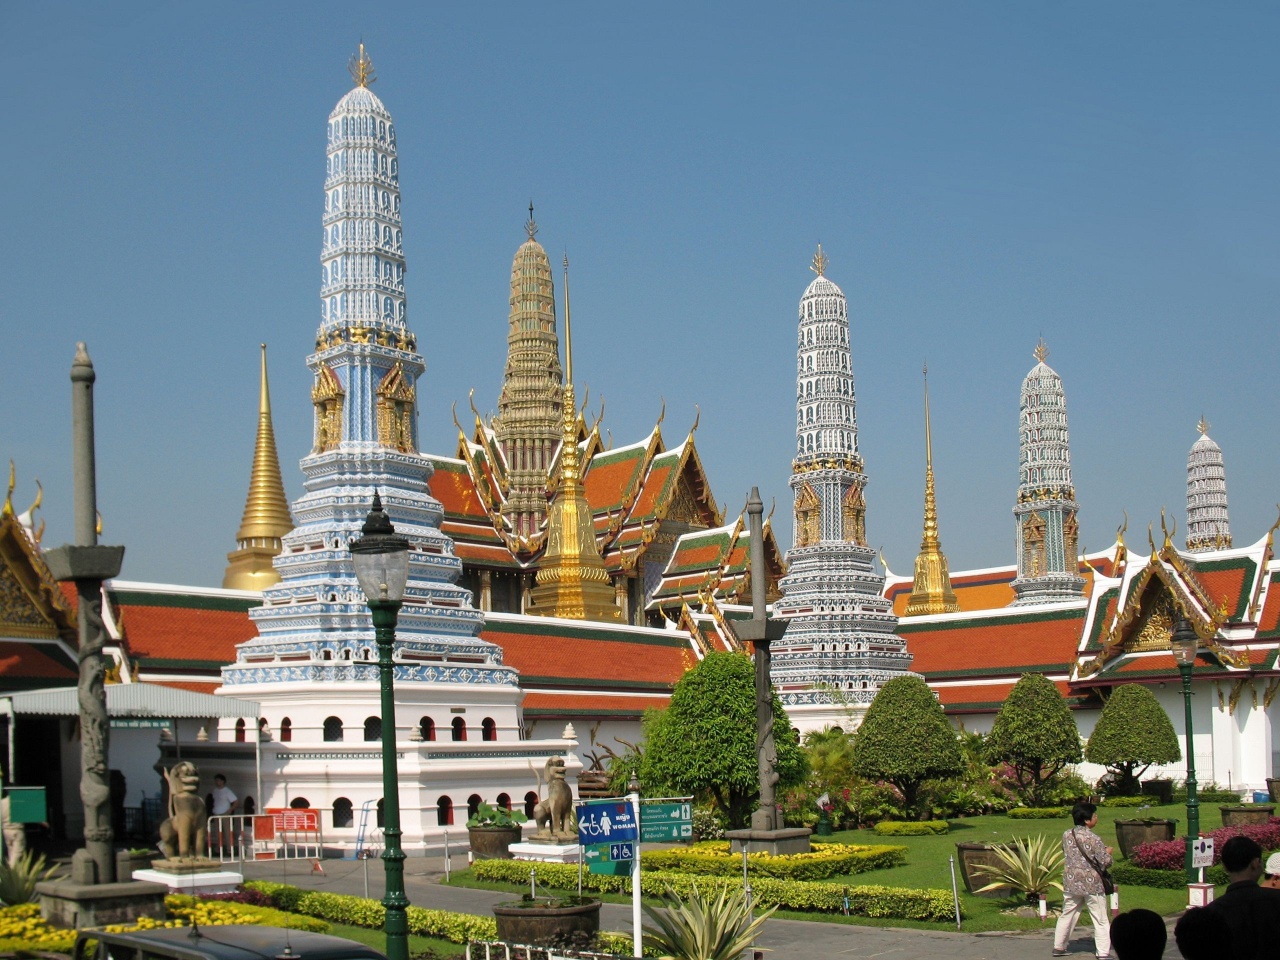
<point>980,175</point>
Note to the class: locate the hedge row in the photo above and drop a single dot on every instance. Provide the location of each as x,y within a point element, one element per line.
<point>1037,813</point>
<point>712,858</point>
<point>359,912</point>
<point>893,903</point>
<point>911,828</point>
<point>1126,873</point>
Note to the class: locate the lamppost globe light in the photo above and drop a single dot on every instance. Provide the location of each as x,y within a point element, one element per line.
<point>1185,643</point>
<point>381,558</point>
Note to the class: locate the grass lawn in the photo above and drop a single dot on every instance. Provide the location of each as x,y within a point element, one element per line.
<point>927,867</point>
<point>377,939</point>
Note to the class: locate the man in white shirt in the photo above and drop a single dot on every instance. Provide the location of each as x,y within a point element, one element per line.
<point>224,804</point>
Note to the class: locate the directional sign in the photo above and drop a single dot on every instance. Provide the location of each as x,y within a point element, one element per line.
<point>614,858</point>
<point>1202,852</point>
<point>666,821</point>
<point>608,822</point>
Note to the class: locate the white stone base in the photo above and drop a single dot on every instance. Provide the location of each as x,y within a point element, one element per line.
<point>546,852</point>
<point>217,881</point>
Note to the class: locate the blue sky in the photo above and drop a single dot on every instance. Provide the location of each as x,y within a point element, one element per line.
<point>980,175</point>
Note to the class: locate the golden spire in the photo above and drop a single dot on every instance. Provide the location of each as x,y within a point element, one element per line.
<point>931,592</point>
<point>361,68</point>
<point>266,510</point>
<point>531,227</point>
<point>819,265</point>
<point>571,581</point>
<point>7,509</point>
<point>1041,351</point>
<point>1203,426</point>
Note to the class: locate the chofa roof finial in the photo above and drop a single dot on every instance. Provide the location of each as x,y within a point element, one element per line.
<point>361,68</point>
<point>820,261</point>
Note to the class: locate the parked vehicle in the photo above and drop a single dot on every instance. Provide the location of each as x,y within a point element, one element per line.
<point>250,942</point>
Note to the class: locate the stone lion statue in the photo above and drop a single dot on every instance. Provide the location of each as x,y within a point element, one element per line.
<point>183,834</point>
<point>552,813</point>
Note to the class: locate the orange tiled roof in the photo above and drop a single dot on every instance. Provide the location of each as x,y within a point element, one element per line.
<point>1269,617</point>
<point>549,705</point>
<point>1227,580</point>
<point>182,628</point>
<point>24,660</point>
<point>1016,641</point>
<point>566,654</point>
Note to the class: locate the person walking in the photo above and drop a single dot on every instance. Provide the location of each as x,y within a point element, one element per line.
<point>1085,858</point>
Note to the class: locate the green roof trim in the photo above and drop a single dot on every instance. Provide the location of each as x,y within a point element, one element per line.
<point>1095,634</point>
<point>184,601</point>
<point>1077,613</point>
<point>588,683</point>
<point>993,673</point>
<point>558,630</point>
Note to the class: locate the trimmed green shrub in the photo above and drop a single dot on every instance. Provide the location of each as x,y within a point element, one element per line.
<point>911,828</point>
<point>359,912</point>
<point>1127,801</point>
<point>892,903</point>
<point>1035,733</point>
<point>1126,873</point>
<point>906,739</point>
<point>1038,813</point>
<point>1132,733</point>
<point>826,860</point>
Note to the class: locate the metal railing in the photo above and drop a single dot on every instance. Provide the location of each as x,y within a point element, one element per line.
<point>274,835</point>
<point>483,950</point>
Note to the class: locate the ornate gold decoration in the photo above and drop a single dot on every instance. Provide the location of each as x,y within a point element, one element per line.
<point>1269,693</point>
<point>1156,630</point>
<point>1070,537</point>
<point>31,604</point>
<point>931,591</point>
<point>1237,688</point>
<point>266,517</point>
<point>853,515</point>
<point>396,397</point>
<point>571,581</point>
<point>1033,534</point>
<point>1222,701</point>
<point>820,261</point>
<point>328,397</point>
<point>361,68</point>
<point>7,509</point>
<point>1041,351</point>
<point>808,517</point>
<point>1203,426</point>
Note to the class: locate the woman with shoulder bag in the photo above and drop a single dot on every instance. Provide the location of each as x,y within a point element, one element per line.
<point>1086,882</point>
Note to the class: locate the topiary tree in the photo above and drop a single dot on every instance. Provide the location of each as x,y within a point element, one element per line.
<point>1133,732</point>
<point>906,739</point>
<point>1034,733</point>
<point>704,743</point>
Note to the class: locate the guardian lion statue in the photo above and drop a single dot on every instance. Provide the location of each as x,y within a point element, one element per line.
<point>552,813</point>
<point>184,833</point>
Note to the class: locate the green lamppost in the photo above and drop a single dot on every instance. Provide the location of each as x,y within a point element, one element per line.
<point>1185,644</point>
<point>382,566</point>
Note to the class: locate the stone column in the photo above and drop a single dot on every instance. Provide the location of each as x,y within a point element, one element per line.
<point>765,817</point>
<point>486,590</point>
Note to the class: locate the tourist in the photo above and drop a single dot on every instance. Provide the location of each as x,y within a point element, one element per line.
<point>1252,913</point>
<point>1085,858</point>
<point>1138,935</point>
<point>1202,934</point>
<point>1271,872</point>
<point>224,805</point>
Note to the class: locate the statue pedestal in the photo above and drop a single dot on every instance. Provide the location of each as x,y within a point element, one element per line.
<point>773,842</point>
<point>192,875</point>
<point>546,852</point>
<point>79,905</point>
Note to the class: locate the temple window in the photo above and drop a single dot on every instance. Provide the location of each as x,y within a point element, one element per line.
<point>488,729</point>
<point>473,805</point>
<point>332,730</point>
<point>444,812</point>
<point>240,730</point>
<point>373,728</point>
<point>459,729</point>
<point>427,728</point>
<point>342,815</point>
<point>286,730</point>
<point>530,801</point>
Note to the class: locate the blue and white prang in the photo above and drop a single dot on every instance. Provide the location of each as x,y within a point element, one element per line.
<point>315,625</point>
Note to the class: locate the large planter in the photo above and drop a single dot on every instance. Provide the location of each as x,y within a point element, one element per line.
<point>1162,790</point>
<point>493,843</point>
<point>1245,814</point>
<point>1131,833</point>
<point>970,856</point>
<point>1273,789</point>
<point>546,922</point>
<point>127,862</point>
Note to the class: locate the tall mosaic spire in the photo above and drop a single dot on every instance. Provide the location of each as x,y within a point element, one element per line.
<point>527,426</point>
<point>1048,531</point>
<point>839,646</point>
<point>931,592</point>
<point>314,625</point>
<point>572,581</point>
<point>266,509</point>
<point>1208,527</point>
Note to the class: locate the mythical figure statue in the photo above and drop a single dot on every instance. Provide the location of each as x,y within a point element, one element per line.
<point>552,813</point>
<point>188,822</point>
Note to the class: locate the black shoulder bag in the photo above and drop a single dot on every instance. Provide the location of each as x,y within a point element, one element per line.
<point>1108,884</point>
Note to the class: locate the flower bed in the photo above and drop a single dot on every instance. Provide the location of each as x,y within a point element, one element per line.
<point>713,858</point>
<point>359,912</point>
<point>894,903</point>
<point>911,828</point>
<point>1171,854</point>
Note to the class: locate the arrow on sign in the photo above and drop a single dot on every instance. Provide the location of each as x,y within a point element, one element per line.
<point>592,853</point>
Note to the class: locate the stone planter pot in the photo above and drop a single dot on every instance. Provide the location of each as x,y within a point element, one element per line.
<point>1131,833</point>
<point>492,843</point>
<point>126,863</point>
<point>969,856</point>
<point>1273,788</point>
<point>1245,814</point>
<point>545,922</point>
<point>1161,790</point>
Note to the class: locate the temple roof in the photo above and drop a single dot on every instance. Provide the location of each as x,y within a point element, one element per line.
<point>716,563</point>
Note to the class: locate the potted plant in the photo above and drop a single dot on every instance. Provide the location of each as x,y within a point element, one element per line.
<point>1027,866</point>
<point>1273,789</point>
<point>547,921</point>
<point>1130,833</point>
<point>492,831</point>
<point>1239,815</point>
<point>715,925</point>
<point>973,856</point>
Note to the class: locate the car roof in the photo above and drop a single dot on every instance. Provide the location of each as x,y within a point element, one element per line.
<point>240,942</point>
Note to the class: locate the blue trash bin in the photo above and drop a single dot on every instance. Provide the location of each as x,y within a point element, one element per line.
<point>1261,796</point>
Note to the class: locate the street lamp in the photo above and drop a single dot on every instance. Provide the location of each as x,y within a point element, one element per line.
<point>382,566</point>
<point>1185,644</point>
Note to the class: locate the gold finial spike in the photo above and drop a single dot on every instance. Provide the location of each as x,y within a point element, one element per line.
<point>1203,426</point>
<point>1041,351</point>
<point>361,68</point>
<point>568,336</point>
<point>7,509</point>
<point>98,526</point>
<point>928,430</point>
<point>820,261</point>
<point>531,227</point>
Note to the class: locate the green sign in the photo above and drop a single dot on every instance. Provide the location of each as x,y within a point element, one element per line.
<point>27,805</point>
<point>661,822</point>
<point>612,858</point>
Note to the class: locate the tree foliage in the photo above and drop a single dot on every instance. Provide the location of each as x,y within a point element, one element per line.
<point>906,739</point>
<point>1133,732</point>
<point>704,743</point>
<point>1034,733</point>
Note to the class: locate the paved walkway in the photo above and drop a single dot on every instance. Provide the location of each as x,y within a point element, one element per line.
<point>785,939</point>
